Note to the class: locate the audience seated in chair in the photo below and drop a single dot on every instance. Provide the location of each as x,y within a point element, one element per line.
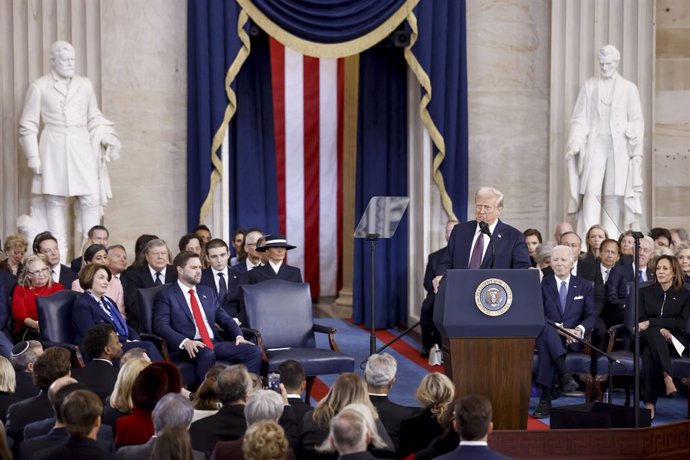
<point>206,399</point>
<point>436,392</point>
<point>172,411</point>
<point>225,281</point>
<point>8,385</point>
<point>351,432</point>
<point>52,431</point>
<point>253,258</point>
<point>24,355</point>
<point>81,412</point>
<point>294,380</point>
<point>50,366</point>
<point>46,244</point>
<point>275,247</point>
<point>98,254</point>
<point>155,381</point>
<point>120,402</point>
<point>473,421</point>
<point>262,406</point>
<point>379,374</point>
<point>103,346</point>
<point>97,234</point>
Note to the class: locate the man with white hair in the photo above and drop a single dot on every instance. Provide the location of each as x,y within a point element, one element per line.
<point>625,271</point>
<point>351,432</point>
<point>379,374</point>
<point>75,144</point>
<point>604,149</point>
<point>486,242</point>
<point>560,229</point>
<point>569,302</point>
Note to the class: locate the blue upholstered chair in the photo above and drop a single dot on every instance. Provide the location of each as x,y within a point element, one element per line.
<point>280,313</point>
<point>55,319</point>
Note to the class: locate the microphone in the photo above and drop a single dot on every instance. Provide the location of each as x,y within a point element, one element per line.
<point>484,227</point>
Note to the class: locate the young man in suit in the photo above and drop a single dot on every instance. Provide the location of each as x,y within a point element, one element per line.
<point>294,380</point>
<point>569,302</point>
<point>276,247</point>
<point>155,272</point>
<point>379,374</point>
<point>222,279</point>
<point>46,244</point>
<point>473,422</point>
<point>431,335</point>
<point>103,346</point>
<point>185,314</point>
<point>81,411</point>
<point>470,245</point>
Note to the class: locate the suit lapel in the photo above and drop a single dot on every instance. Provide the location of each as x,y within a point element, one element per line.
<point>207,305</point>
<point>572,287</point>
<point>465,243</point>
<point>497,238</point>
<point>182,299</point>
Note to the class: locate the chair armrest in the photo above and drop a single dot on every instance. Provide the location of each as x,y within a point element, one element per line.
<point>159,342</point>
<point>616,329</point>
<point>74,351</point>
<point>331,335</point>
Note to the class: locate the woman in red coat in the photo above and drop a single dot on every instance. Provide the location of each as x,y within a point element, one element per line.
<point>35,281</point>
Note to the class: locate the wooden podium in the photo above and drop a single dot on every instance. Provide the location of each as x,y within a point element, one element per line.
<point>488,346</point>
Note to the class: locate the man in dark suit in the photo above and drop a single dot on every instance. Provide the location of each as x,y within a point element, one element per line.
<point>350,434</point>
<point>470,245</point>
<point>431,335</point>
<point>24,355</point>
<point>50,366</point>
<point>103,346</point>
<point>472,421</point>
<point>294,380</point>
<point>81,411</point>
<point>379,374</point>
<point>185,314</point>
<point>98,234</point>
<point>276,247</point>
<point>155,272</point>
<point>51,431</point>
<point>46,244</point>
<point>225,281</point>
<point>229,423</point>
<point>569,302</point>
<point>173,410</point>
<point>625,272</point>
<point>253,259</point>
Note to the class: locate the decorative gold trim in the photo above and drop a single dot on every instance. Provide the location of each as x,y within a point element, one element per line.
<point>434,133</point>
<point>328,50</point>
<point>230,109</point>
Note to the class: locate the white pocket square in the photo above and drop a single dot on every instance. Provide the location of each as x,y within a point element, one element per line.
<point>579,297</point>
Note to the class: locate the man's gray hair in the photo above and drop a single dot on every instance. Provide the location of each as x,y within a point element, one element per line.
<point>491,192</point>
<point>562,247</point>
<point>648,241</point>
<point>263,405</point>
<point>380,370</point>
<point>173,410</point>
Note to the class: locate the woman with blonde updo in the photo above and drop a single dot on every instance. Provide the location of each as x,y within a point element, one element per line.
<point>436,392</point>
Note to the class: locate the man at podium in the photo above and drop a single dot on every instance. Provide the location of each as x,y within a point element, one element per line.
<point>486,242</point>
<point>569,302</point>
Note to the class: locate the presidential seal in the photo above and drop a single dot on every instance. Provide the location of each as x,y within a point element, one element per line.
<point>493,297</point>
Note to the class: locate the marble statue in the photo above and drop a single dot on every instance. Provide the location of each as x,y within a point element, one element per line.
<point>604,150</point>
<point>69,157</point>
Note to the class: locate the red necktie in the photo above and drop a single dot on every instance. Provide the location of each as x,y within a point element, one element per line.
<point>199,320</point>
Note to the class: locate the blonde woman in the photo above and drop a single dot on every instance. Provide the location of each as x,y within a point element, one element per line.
<point>436,392</point>
<point>15,248</point>
<point>683,256</point>
<point>348,388</point>
<point>266,440</point>
<point>8,383</point>
<point>120,401</point>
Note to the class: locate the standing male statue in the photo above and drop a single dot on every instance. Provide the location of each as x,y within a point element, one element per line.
<point>604,150</point>
<point>69,158</point>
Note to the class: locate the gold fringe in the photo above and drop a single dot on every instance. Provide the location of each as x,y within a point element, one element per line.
<point>230,109</point>
<point>434,133</point>
<point>328,50</point>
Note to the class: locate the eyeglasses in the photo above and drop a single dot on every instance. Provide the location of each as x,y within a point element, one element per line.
<point>41,272</point>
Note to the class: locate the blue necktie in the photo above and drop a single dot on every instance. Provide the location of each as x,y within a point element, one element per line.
<point>641,276</point>
<point>563,294</point>
<point>222,289</point>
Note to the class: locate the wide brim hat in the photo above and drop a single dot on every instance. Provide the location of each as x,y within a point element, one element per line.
<point>275,241</point>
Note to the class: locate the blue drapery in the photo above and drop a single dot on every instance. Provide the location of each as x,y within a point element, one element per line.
<point>440,50</point>
<point>381,170</point>
<point>328,21</point>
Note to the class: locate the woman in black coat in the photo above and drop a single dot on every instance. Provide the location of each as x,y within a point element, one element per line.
<point>664,311</point>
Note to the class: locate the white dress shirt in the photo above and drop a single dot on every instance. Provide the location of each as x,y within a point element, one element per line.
<point>477,233</point>
<point>185,291</point>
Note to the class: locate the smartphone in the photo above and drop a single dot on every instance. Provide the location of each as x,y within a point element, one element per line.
<point>274,381</point>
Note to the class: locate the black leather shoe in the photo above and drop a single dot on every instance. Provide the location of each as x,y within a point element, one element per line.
<point>543,410</point>
<point>568,384</point>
